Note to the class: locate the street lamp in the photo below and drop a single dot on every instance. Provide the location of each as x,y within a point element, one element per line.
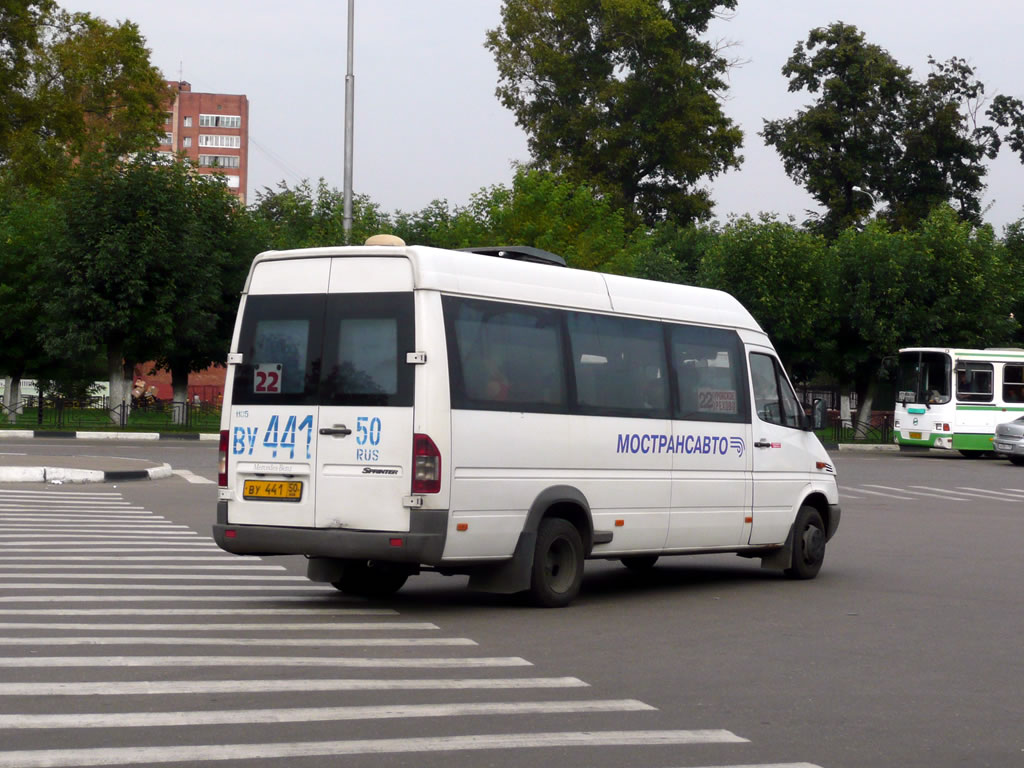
<point>865,192</point>
<point>349,101</point>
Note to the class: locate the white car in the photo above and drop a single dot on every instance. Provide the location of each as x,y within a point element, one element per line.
<point>1009,440</point>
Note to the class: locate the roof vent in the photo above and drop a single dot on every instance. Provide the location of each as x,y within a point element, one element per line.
<point>384,240</point>
<point>520,253</point>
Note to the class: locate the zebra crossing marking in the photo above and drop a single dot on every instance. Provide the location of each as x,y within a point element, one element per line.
<point>317,714</point>
<point>275,685</point>
<point>58,758</point>
<point>354,662</point>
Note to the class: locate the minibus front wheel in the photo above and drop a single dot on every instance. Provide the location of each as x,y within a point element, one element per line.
<point>808,544</point>
<point>557,571</point>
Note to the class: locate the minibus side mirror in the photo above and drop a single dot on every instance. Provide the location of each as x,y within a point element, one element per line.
<point>819,414</point>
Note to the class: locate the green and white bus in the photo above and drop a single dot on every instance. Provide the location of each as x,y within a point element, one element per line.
<point>954,398</point>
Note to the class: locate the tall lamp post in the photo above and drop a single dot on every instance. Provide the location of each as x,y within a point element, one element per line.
<point>865,192</point>
<point>349,103</point>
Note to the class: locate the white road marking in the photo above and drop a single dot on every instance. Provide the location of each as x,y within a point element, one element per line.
<point>192,478</point>
<point>48,493</point>
<point>95,526</point>
<point>317,714</point>
<point>206,577</point>
<point>103,547</point>
<point>927,492</point>
<point>886,495</point>
<point>328,598</point>
<point>158,587</point>
<point>247,642</point>
<point>326,611</point>
<point>995,495</point>
<point>69,504</point>
<point>206,557</point>
<point>117,566</point>
<point>173,687</point>
<point>57,758</point>
<point>357,662</point>
<point>31,538</point>
<point>337,626</point>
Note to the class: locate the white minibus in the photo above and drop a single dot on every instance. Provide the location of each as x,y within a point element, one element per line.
<point>391,409</point>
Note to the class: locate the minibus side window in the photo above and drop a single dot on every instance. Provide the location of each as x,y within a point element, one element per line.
<point>504,357</point>
<point>708,365</point>
<point>774,399</point>
<point>1013,383</point>
<point>367,336</point>
<point>280,344</point>
<point>619,365</point>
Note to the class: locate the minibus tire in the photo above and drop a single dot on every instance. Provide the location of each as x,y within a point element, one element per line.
<point>639,563</point>
<point>557,570</point>
<point>808,544</point>
<point>360,580</point>
<point>1016,460</point>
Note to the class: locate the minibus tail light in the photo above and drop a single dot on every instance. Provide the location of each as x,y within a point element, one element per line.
<point>222,462</point>
<point>426,471</point>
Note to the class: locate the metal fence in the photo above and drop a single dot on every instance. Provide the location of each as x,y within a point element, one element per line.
<point>878,430</point>
<point>99,414</point>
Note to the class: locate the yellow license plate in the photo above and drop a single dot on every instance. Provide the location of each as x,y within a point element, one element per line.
<point>915,435</point>
<point>272,490</point>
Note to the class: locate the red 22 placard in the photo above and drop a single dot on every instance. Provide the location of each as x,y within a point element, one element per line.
<point>267,378</point>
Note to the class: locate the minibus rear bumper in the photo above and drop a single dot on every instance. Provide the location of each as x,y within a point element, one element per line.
<point>422,544</point>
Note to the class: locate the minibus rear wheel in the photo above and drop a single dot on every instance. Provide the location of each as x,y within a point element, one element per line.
<point>808,544</point>
<point>557,563</point>
<point>373,580</point>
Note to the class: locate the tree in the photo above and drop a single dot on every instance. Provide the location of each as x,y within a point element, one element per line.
<point>215,246</point>
<point>142,273</point>
<point>946,284</point>
<point>623,96</point>
<point>779,272</point>
<point>30,229</point>
<point>301,217</point>
<point>77,87</point>
<point>875,131</point>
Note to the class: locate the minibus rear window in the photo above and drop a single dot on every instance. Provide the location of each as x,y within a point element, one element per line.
<point>280,344</point>
<point>367,338</point>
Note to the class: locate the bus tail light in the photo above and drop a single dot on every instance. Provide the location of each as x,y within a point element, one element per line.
<point>222,460</point>
<point>426,471</point>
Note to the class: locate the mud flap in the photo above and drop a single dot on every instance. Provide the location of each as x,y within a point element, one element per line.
<point>781,558</point>
<point>508,576</point>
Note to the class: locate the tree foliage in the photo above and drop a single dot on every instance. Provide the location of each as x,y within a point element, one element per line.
<point>875,131</point>
<point>778,272</point>
<point>623,96</point>
<point>74,87</point>
<point>151,253</point>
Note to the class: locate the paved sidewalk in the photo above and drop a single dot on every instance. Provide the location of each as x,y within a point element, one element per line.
<point>78,469</point>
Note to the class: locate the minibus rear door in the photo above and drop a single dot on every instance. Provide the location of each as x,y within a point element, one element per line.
<point>364,440</point>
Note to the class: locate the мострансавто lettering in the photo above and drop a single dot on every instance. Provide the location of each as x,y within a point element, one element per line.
<point>689,444</point>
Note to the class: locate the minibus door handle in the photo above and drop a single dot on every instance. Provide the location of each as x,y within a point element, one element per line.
<point>337,429</point>
<point>762,443</point>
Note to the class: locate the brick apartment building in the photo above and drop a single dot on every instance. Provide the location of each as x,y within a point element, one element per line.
<point>212,130</point>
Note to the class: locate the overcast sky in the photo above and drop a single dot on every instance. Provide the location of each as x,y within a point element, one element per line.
<point>427,123</point>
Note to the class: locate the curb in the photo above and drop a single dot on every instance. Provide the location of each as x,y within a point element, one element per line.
<point>864,448</point>
<point>28,434</point>
<point>61,475</point>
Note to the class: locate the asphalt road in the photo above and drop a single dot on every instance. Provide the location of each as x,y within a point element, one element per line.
<point>904,651</point>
